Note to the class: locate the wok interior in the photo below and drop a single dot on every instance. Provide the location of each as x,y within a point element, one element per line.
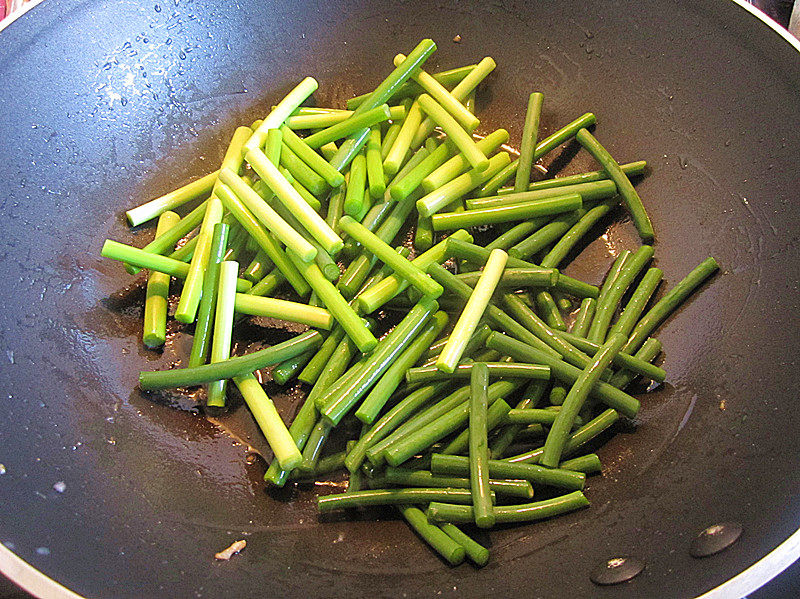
<point>152,492</point>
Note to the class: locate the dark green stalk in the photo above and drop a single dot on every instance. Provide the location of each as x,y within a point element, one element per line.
<point>622,359</point>
<point>630,198</point>
<point>583,320</point>
<point>456,465</point>
<point>637,303</point>
<point>187,377</point>
<point>588,464</point>
<point>543,147</point>
<point>336,405</point>
<point>667,304</point>
<point>607,305</point>
<point>530,131</point>
<point>201,344</point>
<point>360,499</point>
<point>631,168</point>
<point>391,420</point>
<point>449,548</point>
<point>504,214</point>
<point>531,397</point>
<point>479,446</point>
<point>353,144</point>
<point>372,405</point>
<point>507,514</point>
<point>423,374</point>
<point>576,440</point>
<point>564,372</point>
<point>425,478</point>
<point>547,234</point>
<point>547,307</point>
<point>647,353</point>
<point>496,415</point>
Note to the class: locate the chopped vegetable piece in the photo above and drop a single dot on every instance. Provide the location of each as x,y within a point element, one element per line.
<point>338,403</point>
<point>455,189</point>
<point>377,295</point>
<point>342,501</point>
<point>170,201</point>
<point>269,421</point>
<point>460,92</point>
<point>402,143</point>
<point>456,465</point>
<point>637,303</point>
<point>201,343</point>
<point>423,374</point>
<point>356,202</point>
<point>459,164</point>
<point>267,216</point>
<point>240,365</point>
<point>223,328</point>
<point>439,93</point>
<point>504,214</point>
<point>527,512</point>
<point>475,551</point>
<point>280,113</point>
<point>154,330</point>
<point>193,285</point>
<point>670,302</point>
<point>629,196</point>
<point>630,168</point>
<point>264,239</point>
<point>461,138</point>
<point>368,411</point>
<point>479,446</point>
<point>425,478</point>
<point>294,202</point>
<point>530,131</point>
<point>597,190</point>
<point>543,147</point>
<point>375,175</point>
<point>337,305</point>
<point>607,304</point>
<point>385,253</point>
<point>353,144</point>
<point>473,312</point>
<point>444,544</point>
<point>290,311</point>
<point>567,373</point>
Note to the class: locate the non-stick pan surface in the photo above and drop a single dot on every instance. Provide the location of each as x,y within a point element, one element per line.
<point>106,104</point>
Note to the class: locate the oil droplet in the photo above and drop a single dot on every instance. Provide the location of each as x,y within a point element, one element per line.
<point>157,8</point>
<point>3,469</point>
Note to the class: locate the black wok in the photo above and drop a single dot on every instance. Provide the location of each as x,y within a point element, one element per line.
<point>106,104</point>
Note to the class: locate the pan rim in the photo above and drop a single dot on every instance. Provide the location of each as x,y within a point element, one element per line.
<point>25,8</point>
<point>33,581</point>
<point>38,584</point>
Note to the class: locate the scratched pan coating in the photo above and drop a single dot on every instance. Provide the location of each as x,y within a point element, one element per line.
<point>107,104</point>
